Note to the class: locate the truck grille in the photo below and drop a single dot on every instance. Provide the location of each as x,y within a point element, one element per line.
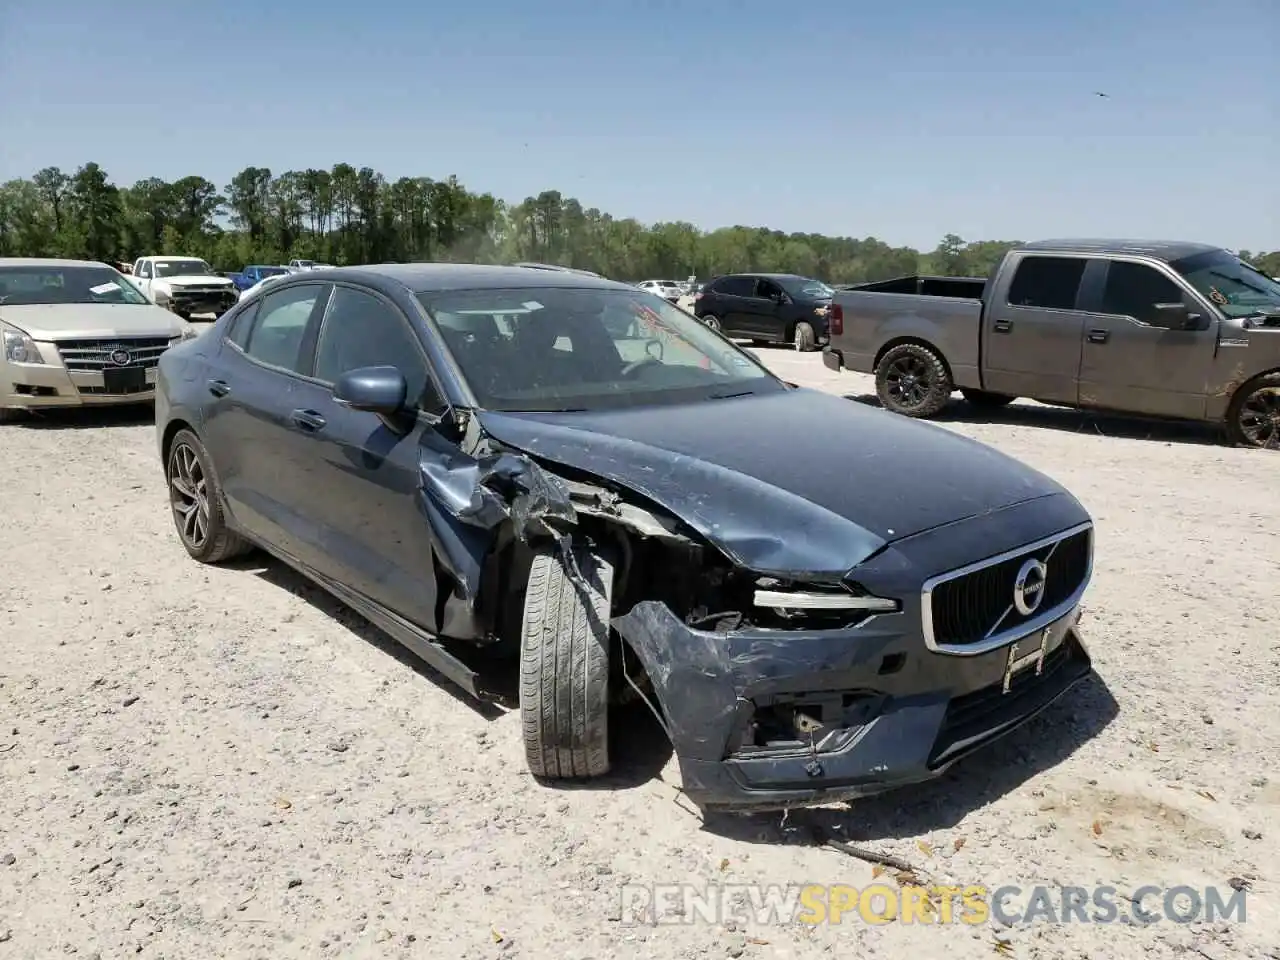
<point>95,355</point>
<point>975,609</point>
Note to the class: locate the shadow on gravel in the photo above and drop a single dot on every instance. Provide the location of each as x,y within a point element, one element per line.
<point>86,418</point>
<point>972,783</point>
<point>1076,421</point>
<point>284,577</point>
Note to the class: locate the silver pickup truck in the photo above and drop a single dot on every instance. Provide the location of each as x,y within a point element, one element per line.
<point>1167,329</point>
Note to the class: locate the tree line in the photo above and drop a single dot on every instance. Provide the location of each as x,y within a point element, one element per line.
<point>350,215</point>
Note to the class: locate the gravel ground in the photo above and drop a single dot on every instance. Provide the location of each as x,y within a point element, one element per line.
<point>222,762</point>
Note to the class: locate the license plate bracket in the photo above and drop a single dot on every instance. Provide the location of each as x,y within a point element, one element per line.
<point>1024,655</point>
<point>124,379</point>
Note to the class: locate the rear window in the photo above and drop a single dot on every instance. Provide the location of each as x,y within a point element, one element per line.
<point>1051,283</point>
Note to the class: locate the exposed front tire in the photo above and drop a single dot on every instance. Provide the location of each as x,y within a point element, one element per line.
<point>564,668</point>
<point>986,399</point>
<point>804,338</point>
<point>912,380</point>
<point>1253,417</point>
<point>195,499</point>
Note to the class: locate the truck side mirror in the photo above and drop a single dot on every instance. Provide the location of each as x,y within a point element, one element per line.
<point>1175,316</point>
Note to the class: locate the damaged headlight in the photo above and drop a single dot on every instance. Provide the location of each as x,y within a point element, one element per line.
<point>773,597</point>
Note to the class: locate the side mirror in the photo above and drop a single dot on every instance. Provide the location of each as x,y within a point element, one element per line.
<point>1174,316</point>
<point>379,390</point>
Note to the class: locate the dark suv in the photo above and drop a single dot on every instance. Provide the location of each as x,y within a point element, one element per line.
<point>767,308</point>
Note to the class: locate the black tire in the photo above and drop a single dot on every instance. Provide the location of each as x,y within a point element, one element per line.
<point>912,380</point>
<point>1253,417</point>
<point>712,321</point>
<point>564,669</point>
<point>804,338</point>
<point>984,398</point>
<point>195,500</point>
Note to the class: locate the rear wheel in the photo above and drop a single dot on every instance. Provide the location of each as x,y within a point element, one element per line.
<point>984,398</point>
<point>196,502</point>
<point>804,338</point>
<point>711,320</point>
<point>1253,418</point>
<point>912,380</point>
<point>564,670</point>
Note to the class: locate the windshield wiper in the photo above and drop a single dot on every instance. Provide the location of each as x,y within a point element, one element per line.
<point>730,396</point>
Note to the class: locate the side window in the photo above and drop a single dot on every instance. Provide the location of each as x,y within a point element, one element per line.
<point>1047,282</point>
<point>238,332</point>
<point>736,286</point>
<point>144,270</point>
<point>276,334</point>
<point>767,289</point>
<point>1133,290</point>
<point>360,330</point>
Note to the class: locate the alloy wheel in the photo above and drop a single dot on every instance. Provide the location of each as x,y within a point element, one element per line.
<point>1259,418</point>
<point>188,495</point>
<point>908,381</point>
<point>711,322</point>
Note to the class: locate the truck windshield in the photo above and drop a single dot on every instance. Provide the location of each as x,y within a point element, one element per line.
<point>24,286</point>
<point>183,268</point>
<point>1236,288</point>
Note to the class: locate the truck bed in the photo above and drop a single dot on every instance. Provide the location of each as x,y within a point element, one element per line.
<point>963,288</point>
<point>880,314</point>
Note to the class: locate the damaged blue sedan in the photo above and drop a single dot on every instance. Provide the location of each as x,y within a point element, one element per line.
<point>818,600</point>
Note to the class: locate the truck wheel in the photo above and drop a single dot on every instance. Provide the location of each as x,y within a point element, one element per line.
<point>564,669</point>
<point>1253,418</point>
<point>912,380</point>
<point>984,398</point>
<point>804,338</point>
<point>195,498</point>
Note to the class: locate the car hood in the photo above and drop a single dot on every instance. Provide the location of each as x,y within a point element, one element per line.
<point>799,482</point>
<point>44,321</point>
<point>196,281</point>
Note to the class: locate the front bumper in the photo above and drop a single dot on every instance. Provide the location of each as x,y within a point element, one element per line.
<point>892,711</point>
<point>25,386</point>
<point>216,302</point>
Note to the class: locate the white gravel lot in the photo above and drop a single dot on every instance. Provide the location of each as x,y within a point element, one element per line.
<point>201,763</point>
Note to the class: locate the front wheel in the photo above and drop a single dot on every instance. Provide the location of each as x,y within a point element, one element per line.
<point>1253,418</point>
<point>912,380</point>
<point>711,320</point>
<point>564,668</point>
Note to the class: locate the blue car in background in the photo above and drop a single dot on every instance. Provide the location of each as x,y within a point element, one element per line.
<point>249,276</point>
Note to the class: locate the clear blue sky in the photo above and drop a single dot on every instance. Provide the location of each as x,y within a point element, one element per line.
<point>900,120</point>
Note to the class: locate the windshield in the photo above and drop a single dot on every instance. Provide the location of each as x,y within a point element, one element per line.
<point>270,271</point>
<point>183,268</point>
<point>23,286</point>
<point>543,349</point>
<point>813,289</point>
<point>1233,286</point>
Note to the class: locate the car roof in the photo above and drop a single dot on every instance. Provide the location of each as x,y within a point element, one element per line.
<point>765,276</point>
<point>50,262</point>
<point>1166,250</point>
<point>428,277</point>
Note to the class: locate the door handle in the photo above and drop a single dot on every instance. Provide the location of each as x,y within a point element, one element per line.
<point>219,388</point>
<point>308,420</point>
<point>1003,326</point>
<point>1099,336</point>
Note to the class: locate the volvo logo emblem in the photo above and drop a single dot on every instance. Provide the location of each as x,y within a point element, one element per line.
<point>120,357</point>
<point>1028,586</point>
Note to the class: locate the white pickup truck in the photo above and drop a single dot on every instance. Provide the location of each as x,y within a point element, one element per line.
<point>185,285</point>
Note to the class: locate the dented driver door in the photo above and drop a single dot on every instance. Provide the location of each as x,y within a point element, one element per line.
<point>365,525</point>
